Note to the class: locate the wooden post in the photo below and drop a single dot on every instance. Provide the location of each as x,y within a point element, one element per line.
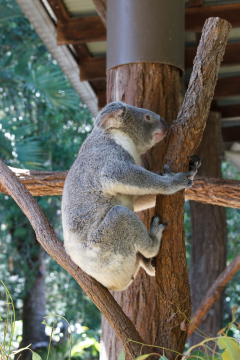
<point>155,87</point>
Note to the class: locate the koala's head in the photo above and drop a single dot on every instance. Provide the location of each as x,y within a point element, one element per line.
<point>144,127</point>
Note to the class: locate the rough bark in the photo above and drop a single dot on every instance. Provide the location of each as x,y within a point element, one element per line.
<point>155,87</point>
<point>184,137</point>
<point>48,239</point>
<point>214,293</point>
<point>209,233</point>
<point>207,190</point>
<point>34,312</point>
<point>40,183</point>
<point>221,192</point>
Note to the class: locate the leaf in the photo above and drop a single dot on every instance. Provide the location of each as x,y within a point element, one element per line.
<point>233,313</point>
<point>163,357</point>
<point>234,309</point>
<point>121,356</point>
<point>231,346</point>
<point>44,322</point>
<point>183,326</point>
<point>1,318</point>
<point>35,356</point>
<point>142,357</point>
<point>196,355</point>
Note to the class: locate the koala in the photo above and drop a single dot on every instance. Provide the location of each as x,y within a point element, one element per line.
<point>104,187</point>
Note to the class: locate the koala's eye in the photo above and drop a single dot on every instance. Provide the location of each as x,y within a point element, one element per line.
<point>147,117</point>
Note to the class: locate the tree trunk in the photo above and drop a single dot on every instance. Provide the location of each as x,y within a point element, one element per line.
<point>155,87</point>
<point>34,311</point>
<point>209,233</point>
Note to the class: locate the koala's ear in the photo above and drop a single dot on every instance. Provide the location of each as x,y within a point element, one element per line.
<point>112,118</point>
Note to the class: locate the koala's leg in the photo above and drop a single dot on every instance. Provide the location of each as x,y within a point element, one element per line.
<point>121,236</point>
<point>146,264</point>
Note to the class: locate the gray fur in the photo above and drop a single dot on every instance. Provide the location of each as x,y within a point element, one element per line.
<point>101,232</point>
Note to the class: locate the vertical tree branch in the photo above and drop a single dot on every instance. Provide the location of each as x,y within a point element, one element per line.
<point>184,137</point>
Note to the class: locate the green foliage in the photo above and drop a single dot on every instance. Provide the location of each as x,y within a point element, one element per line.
<point>222,347</point>
<point>86,348</point>
<point>42,125</point>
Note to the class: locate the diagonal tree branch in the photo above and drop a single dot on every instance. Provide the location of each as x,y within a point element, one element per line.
<point>46,236</point>
<point>184,137</point>
<point>214,293</point>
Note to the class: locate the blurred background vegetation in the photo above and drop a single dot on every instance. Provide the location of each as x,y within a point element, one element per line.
<point>42,126</point>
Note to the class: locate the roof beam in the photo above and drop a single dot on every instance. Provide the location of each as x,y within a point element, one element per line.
<point>231,56</point>
<point>231,133</point>
<point>101,7</point>
<point>93,69</point>
<point>196,16</point>
<point>227,86</point>
<point>80,30</point>
<point>229,111</point>
<point>194,3</point>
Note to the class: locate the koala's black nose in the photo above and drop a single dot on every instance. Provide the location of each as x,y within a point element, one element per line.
<point>164,125</point>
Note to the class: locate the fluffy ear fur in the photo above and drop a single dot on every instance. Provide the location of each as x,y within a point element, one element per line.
<point>111,115</point>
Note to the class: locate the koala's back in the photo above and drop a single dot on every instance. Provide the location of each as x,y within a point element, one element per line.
<point>84,204</point>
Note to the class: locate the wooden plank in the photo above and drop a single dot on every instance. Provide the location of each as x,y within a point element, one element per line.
<point>61,14</point>
<point>231,134</point>
<point>193,3</point>
<point>196,16</point>
<point>229,86</point>
<point>80,30</point>
<point>93,69</point>
<point>59,9</point>
<point>231,56</point>
<point>102,99</point>
<point>229,111</point>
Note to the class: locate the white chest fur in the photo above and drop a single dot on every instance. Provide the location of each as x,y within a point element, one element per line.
<point>126,142</point>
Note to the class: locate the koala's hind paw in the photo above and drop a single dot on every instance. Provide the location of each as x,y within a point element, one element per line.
<point>156,228</point>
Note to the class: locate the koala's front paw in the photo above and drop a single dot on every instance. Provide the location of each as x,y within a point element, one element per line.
<point>194,163</point>
<point>185,180</point>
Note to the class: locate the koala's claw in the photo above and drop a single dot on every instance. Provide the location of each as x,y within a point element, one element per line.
<point>194,163</point>
<point>167,169</point>
<point>156,227</point>
<point>153,262</point>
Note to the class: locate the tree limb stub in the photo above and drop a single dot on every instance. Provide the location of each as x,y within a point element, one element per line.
<point>101,297</point>
<point>214,293</point>
<point>184,137</point>
<point>221,192</point>
<point>186,132</point>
